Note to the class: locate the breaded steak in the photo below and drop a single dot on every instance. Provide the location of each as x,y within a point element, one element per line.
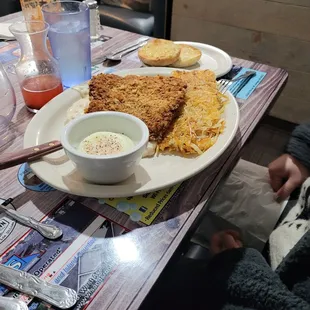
<point>155,100</point>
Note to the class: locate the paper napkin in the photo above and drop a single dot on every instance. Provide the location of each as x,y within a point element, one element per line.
<point>5,33</point>
<point>250,86</point>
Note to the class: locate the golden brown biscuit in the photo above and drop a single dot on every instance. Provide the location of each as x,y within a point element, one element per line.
<point>189,56</point>
<point>159,53</point>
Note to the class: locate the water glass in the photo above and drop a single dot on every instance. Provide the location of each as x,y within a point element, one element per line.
<point>69,35</point>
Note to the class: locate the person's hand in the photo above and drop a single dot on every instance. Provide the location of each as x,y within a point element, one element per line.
<point>288,169</point>
<point>225,240</point>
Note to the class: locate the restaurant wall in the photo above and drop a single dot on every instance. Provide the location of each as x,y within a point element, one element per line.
<point>274,32</point>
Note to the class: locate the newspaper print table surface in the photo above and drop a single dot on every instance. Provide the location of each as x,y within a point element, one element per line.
<point>133,260</point>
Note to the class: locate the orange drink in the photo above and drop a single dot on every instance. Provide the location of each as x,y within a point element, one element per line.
<point>40,89</point>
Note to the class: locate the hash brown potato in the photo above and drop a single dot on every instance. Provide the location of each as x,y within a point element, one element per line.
<point>200,122</point>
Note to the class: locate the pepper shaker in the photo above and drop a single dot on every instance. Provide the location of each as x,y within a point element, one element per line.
<point>94,19</point>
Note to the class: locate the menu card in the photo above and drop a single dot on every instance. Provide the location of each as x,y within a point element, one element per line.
<point>144,208</point>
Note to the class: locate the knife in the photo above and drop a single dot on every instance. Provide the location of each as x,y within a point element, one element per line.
<point>130,45</point>
<point>56,295</point>
<point>30,154</point>
<point>242,84</point>
<point>46,230</point>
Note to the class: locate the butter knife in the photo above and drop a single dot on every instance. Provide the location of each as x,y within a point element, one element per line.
<point>46,230</point>
<point>128,46</point>
<point>56,295</point>
<point>9,303</point>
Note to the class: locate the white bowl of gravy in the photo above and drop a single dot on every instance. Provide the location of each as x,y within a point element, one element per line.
<point>106,147</point>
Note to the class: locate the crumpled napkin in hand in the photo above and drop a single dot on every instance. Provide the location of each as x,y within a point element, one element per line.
<point>244,202</point>
<point>247,200</point>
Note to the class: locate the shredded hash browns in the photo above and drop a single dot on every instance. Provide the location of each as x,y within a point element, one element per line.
<point>200,122</point>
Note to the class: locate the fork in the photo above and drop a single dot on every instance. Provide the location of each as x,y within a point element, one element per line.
<point>225,84</point>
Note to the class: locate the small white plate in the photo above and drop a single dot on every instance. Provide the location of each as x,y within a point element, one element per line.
<point>153,173</point>
<point>212,58</point>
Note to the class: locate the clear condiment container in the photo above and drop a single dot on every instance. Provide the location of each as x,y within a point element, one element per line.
<point>37,71</point>
<point>94,19</point>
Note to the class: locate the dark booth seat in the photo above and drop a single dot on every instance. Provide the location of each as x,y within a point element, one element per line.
<point>9,6</point>
<point>125,19</point>
<point>154,23</point>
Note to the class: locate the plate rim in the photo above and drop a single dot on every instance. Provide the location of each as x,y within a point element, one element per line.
<point>227,57</point>
<point>86,191</point>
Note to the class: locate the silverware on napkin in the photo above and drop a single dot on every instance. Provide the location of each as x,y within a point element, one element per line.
<point>56,295</point>
<point>46,230</point>
<point>224,84</point>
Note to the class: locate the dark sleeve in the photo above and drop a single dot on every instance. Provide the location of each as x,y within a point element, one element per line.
<point>294,270</point>
<point>242,279</point>
<point>299,144</point>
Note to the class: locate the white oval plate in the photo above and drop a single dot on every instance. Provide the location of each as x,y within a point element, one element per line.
<point>153,173</point>
<point>212,58</point>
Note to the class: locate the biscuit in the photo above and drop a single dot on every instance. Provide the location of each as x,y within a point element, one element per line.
<point>159,53</point>
<point>189,56</point>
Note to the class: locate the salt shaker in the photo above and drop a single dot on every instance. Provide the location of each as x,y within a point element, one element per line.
<point>94,19</point>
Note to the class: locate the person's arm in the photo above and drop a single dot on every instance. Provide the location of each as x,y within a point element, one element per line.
<point>294,166</point>
<point>241,279</point>
<point>299,144</point>
<point>294,270</point>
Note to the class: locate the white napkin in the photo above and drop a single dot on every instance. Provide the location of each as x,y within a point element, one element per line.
<point>247,200</point>
<point>244,202</point>
<point>5,33</point>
